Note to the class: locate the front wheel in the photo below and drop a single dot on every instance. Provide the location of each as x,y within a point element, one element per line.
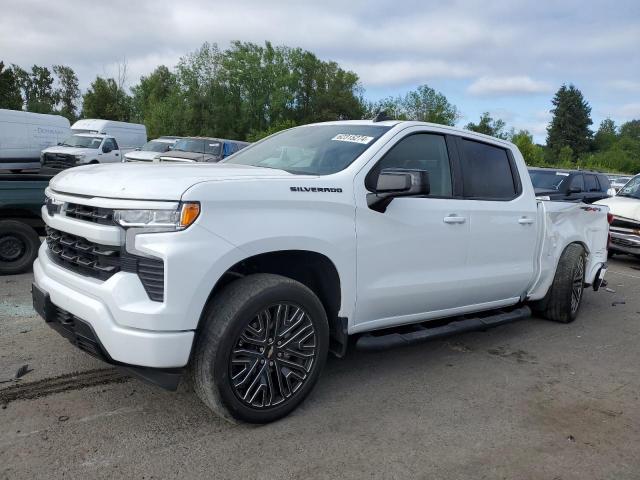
<point>563,300</point>
<point>263,345</point>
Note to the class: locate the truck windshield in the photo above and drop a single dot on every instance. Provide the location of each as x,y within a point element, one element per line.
<point>311,150</point>
<point>82,142</point>
<point>631,189</point>
<point>547,180</point>
<point>155,146</point>
<point>194,145</point>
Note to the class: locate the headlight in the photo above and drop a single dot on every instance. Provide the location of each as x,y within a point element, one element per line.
<point>159,220</point>
<point>79,157</point>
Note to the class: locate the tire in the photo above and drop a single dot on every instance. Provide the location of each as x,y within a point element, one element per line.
<point>19,245</point>
<point>238,323</point>
<point>563,300</point>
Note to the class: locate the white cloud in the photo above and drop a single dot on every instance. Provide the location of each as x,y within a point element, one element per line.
<point>518,85</point>
<point>399,72</point>
<point>625,85</point>
<point>627,111</point>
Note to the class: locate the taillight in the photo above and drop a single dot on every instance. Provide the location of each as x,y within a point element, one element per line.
<point>609,220</point>
<point>609,217</point>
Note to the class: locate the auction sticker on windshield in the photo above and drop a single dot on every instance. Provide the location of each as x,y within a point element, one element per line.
<point>347,137</point>
<point>562,174</point>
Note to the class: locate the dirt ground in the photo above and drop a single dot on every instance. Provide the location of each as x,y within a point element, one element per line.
<point>530,400</point>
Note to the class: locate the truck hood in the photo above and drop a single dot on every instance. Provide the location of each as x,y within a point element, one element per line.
<point>626,207</point>
<point>143,155</point>
<point>67,150</point>
<point>153,181</point>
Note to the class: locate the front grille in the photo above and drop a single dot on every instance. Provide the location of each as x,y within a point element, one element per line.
<point>103,216</point>
<point>624,223</point>
<point>58,160</point>
<point>103,261</point>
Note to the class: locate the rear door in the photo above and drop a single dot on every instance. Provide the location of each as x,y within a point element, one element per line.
<point>411,258</point>
<point>502,239</point>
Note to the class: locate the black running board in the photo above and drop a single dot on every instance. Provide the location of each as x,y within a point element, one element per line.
<point>422,334</point>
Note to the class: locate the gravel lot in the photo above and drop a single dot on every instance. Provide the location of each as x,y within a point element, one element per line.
<point>530,400</point>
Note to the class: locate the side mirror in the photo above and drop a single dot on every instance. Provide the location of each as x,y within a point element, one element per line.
<point>138,149</point>
<point>398,182</point>
<point>574,190</point>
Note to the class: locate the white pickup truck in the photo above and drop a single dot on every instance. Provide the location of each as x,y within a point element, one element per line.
<point>246,273</point>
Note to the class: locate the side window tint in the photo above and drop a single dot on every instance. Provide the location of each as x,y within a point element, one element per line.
<point>591,183</point>
<point>421,151</point>
<point>577,182</point>
<point>487,172</point>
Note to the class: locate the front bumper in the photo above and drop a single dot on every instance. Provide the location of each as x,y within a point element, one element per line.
<point>625,242</point>
<point>91,301</point>
<point>81,334</point>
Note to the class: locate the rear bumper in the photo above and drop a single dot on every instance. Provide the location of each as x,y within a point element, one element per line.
<point>625,242</point>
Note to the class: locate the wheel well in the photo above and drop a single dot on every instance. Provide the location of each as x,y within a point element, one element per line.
<point>312,269</point>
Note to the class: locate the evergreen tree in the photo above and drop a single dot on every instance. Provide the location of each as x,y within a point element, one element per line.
<point>569,126</point>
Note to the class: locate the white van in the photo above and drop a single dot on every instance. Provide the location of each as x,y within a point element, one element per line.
<point>94,141</point>
<point>23,135</point>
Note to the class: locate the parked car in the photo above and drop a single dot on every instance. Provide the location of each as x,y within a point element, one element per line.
<point>151,150</point>
<point>569,185</point>
<point>625,227</point>
<point>23,135</point>
<point>21,224</point>
<point>245,273</point>
<point>618,181</point>
<point>202,149</point>
<point>94,141</point>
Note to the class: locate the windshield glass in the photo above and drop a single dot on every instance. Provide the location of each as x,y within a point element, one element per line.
<point>82,142</point>
<point>631,189</point>
<point>311,150</point>
<point>195,145</point>
<point>548,180</point>
<point>155,146</point>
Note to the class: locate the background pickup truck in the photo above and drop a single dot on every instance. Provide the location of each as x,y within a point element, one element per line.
<point>246,273</point>
<point>21,224</point>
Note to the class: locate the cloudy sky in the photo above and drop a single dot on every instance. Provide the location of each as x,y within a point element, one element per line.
<point>505,57</point>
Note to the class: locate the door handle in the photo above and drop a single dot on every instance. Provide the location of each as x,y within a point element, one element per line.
<point>117,154</point>
<point>453,218</point>
<point>525,221</point>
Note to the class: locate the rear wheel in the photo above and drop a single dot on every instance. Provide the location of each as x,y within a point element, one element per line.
<point>563,300</point>
<point>19,245</point>
<point>261,350</point>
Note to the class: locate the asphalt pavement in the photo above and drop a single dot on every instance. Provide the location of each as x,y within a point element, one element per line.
<point>529,400</point>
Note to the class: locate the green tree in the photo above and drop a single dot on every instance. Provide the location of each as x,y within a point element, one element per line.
<point>37,88</point>
<point>489,126</point>
<point>423,104</point>
<point>10,96</point>
<point>565,156</point>
<point>533,154</point>
<point>106,99</point>
<point>426,105</point>
<point>569,126</point>
<point>67,92</point>
<point>630,130</point>
<point>606,135</point>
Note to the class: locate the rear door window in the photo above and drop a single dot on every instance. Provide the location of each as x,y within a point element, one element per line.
<point>488,172</point>
<point>591,183</point>
<point>577,182</point>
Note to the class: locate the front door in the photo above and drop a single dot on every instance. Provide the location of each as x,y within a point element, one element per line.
<point>411,258</point>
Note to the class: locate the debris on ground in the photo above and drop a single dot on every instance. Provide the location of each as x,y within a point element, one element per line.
<point>619,302</point>
<point>21,371</point>
<point>610,290</point>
